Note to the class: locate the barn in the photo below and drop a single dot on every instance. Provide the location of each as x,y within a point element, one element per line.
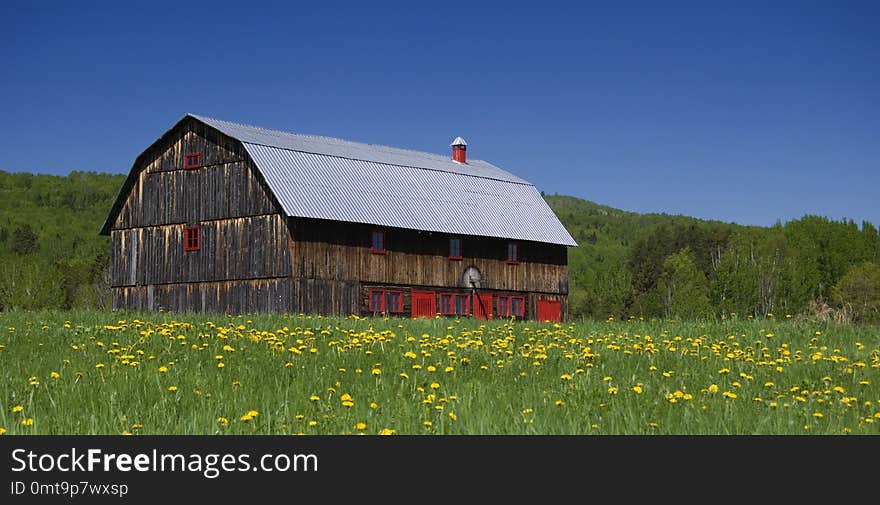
<point>223,217</point>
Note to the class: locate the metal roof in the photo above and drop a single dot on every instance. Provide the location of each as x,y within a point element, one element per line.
<point>328,178</point>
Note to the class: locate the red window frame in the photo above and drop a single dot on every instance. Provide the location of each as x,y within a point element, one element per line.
<point>513,259</point>
<point>508,301</point>
<point>192,160</point>
<point>192,238</point>
<point>452,297</point>
<point>454,256</point>
<point>373,235</point>
<point>383,308</point>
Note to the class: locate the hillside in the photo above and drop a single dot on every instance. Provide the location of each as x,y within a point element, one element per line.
<point>628,264</point>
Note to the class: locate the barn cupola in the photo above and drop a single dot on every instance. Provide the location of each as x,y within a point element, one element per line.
<point>459,147</point>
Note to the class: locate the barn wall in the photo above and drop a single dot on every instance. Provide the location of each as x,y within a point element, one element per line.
<point>341,251</point>
<point>244,260</point>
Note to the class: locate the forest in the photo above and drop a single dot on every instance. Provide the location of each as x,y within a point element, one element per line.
<point>627,265</point>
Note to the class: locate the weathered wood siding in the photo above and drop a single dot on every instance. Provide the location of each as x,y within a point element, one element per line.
<point>341,251</point>
<point>244,260</point>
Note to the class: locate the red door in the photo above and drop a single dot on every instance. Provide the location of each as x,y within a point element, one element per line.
<point>483,306</point>
<point>549,310</point>
<point>424,304</point>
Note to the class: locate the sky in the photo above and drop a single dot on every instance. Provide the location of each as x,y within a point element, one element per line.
<point>746,112</point>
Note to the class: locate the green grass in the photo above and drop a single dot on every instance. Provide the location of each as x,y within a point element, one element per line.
<point>626,377</point>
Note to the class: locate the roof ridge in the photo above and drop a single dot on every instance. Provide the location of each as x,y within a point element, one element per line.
<point>335,139</point>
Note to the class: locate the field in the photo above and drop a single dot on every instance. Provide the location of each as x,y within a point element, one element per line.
<point>87,372</point>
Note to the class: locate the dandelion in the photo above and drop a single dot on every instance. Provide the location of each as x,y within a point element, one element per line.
<point>313,423</point>
<point>386,431</point>
<point>448,369</point>
<point>55,375</point>
<point>713,388</point>
<point>163,369</point>
<point>565,377</point>
<point>435,385</point>
<point>376,371</point>
<point>431,368</point>
<point>404,375</point>
<point>172,388</point>
<point>724,371</point>
<point>612,390</point>
<point>221,365</point>
<point>17,409</point>
<point>374,405</point>
<point>637,389</point>
<point>347,403</point>
<point>453,416</point>
<point>728,394</point>
<point>2,431</point>
<point>27,422</point>
<point>817,415</point>
<point>428,424</point>
<point>360,426</point>
<point>560,403</point>
<point>223,421</point>
<point>315,398</point>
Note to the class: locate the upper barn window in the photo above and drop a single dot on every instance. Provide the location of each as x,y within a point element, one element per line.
<point>192,160</point>
<point>192,238</point>
<point>377,242</point>
<point>512,252</point>
<point>455,248</point>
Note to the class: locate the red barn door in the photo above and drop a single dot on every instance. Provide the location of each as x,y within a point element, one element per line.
<point>424,304</point>
<point>549,310</point>
<point>483,306</point>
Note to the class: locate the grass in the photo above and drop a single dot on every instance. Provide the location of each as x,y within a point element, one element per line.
<point>93,372</point>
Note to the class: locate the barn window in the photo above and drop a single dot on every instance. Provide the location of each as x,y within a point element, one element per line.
<point>512,252</point>
<point>453,304</point>
<point>192,160</point>
<point>455,248</point>
<point>382,300</point>
<point>192,238</point>
<point>377,243</point>
<point>511,306</point>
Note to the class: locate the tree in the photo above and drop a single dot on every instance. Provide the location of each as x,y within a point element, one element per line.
<point>859,293</point>
<point>683,288</point>
<point>24,240</point>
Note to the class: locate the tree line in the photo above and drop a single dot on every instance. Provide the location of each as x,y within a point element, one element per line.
<point>657,265</point>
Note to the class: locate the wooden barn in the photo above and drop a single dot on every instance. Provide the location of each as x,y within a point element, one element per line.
<point>223,217</point>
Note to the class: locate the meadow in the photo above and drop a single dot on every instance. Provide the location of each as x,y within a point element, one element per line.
<point>91,372</point>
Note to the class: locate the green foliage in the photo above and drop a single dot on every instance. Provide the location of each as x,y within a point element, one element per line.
<point>50,249</point>
<point>682,288</point>
<point>859,292</point>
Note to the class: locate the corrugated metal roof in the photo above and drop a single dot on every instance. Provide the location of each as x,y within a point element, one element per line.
<point>327,178</point>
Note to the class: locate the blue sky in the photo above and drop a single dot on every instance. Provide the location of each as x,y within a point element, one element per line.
<point>736,111</point>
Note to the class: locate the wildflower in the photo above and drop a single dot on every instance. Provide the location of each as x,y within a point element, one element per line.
<point>221,365</point>
<point>376,371</point>
<point>27,422</point>
<point>404,375</point>
<point>374,405</point>
<point>172,388</point>
<point>386,431</point>
<point>560,403</point>
<point>817,415</point>
<point>428,424</point>
<point>612,390</point>
<point>565,377</point>
<point>17,409</point>
<point>2,431</point>
<point>713,388</point>
<point>163,369</point>
<point>453,416</point>
<point>728,394</point>
<point>360,426</point>
<point>315,398</point>
<point>724,371</point>
<point>448,369</point>
<point>313,423</point>
<point>55,375</point>
<point>223,421</point>
<point>637,389</point>
<point>435,385</point>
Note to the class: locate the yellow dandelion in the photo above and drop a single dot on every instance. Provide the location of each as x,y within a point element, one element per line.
<point>448,369</point>
<point>435,385</point>
<point>431,368</point>
<point>713,388</point>
<point>345,397</point>
<point>453,416</point>
<point>315,398</point>
<point>27,422</point>
<point>404,375</point>
<point>221,365</point>
<point>637,389</point>
<point>55,375</point>
<point>612,390</point>
<point>17,409</point>
<point>2,431</point>
<point>360,426</point>
<point>428,424</point>
<point>348,404</point>
<point>565,377</point>
<point>818,415</point>
<point>559,403</point>
<point>376,371</point>
<point>728,394</point>
<point>99,365</point>
<point>223,421</point>
<point>386,431</point>
<point>313,423</point>
<point>374,405</point>
<point>172,388</point>
<point>163,369</point>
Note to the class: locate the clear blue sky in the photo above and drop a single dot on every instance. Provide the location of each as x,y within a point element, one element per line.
<point>733,111</point>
